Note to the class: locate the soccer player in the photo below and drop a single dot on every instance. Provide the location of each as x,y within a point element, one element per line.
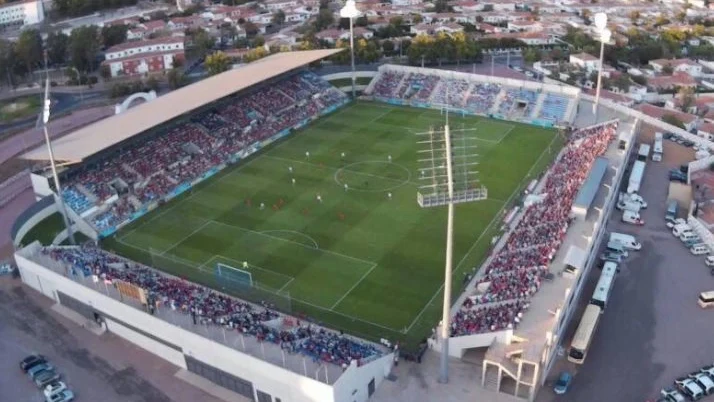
<point>290,169</point>
<point>319,198</point>
<point>262,206</point>
<point>389,158</point>
<point>389,195</point>
<point>346,187</point>
<point>307,155</point>
<point>342,155</point>
<point>293,182</point>
<point>245,264</point>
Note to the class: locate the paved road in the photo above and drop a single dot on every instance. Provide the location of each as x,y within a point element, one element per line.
<point>105,368</point>
<point>63,102</point>
<point>653,330</point>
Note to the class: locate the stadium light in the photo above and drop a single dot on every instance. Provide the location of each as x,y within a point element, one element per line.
<point>45,120</point>
<point>447,163</point>
<point>604,35</point>
<point>351,12</point>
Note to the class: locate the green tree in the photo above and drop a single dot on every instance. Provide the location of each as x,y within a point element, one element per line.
<point>250,28</point>
<point>114,35</point>
<point>105,72</point>
<point>634,16</point>
<point>8,60</point>
<point>667,69</point>
<point>324,19</point>
<point>83,47</point>
<point>29,49</point>
<point>153,83</point>
<point>217,63</point>
<point>202,43</point>
<point>279,17</point>
<point>531,55</point>
<point>388,47</point>
<point>673,120</point>
<point>57,45</point>
<point>417,19</point>
<point>175,78</point>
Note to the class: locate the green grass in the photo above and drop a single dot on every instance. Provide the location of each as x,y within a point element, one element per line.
<point>24,107</point>
<point>46,230</point>
<point>345,82</point>
<point>358,261</point>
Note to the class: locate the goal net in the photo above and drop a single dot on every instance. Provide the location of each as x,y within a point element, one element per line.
<point>237,276</point>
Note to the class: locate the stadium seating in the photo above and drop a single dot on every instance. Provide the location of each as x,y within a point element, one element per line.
<point>482,97</point>
<point>515,272</point>
<point>554,107</point>
<point>513,96</point>
<point>213,308</point>
<point>151,168</point>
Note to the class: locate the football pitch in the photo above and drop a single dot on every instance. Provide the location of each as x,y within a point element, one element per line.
<point>366,258</point>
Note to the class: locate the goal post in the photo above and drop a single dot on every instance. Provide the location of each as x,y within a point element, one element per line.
<point>225,272</point>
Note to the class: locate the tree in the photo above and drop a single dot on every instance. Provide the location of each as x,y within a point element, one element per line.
<point>255,54</point>
<point>487,8</point>
<point>84,47</point>
<point>7,61</point>
<point>673,120</point>
<point>417,19</point>
<point>258,41</point>
<point>152,83</point>
<point>217,63</point>
<point>105,72</point>
<point>279,17</point>
<point>324,19</point>
<point>388,47</point>
<point>686,98</point>
<point>634,16</point>
<point>667,69</point>
<point>57,45</point>
<point>29,49</point>
<point>442,6</point>
<point>531,55</point>
<point>202,43</point>
<point>175,78</point>
<point>74,8</point>
<point>114,35</point>
<point>250,28</point>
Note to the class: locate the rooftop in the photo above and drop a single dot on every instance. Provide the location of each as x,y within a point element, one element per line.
<point>113,130</point>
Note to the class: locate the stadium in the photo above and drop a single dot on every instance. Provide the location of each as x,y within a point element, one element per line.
<point>261,229</point>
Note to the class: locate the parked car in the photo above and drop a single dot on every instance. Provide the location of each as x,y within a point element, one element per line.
<point>39,368</point>
<point>46,377</point>
<point>564,380</point>
<point>63,396</point>
<point>670,395</point>
<point>632,217</point>
<point>612,256</point>
<point>676,175</point>
<point>676,222</point>
<point>710,263</point>
<point>704,382</point>
<point>54,388</point>
<point>689,388</point>
<point>31,361</point>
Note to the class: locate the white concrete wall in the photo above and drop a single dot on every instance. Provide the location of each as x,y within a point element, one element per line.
<point>174,356</point>
<point>348,74</point>
<point>460,344</point>
<point>279,382</point>
<point>41,185</point>
<point>352,384</point>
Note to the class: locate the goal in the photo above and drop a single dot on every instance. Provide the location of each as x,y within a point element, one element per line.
<point>233,275</point>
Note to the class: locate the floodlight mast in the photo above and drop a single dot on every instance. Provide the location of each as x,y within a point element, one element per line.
<point>440,168</point>
<point>58,188</point>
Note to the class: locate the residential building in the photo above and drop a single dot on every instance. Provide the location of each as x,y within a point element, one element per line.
<point>678,65</point>
<point>689,121</point>
<point>585,61</point>
<point>669,82</point>
<point>21,13</point>
<point>143,57</point>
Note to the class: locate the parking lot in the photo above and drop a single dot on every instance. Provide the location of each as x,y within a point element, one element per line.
<point>104,368</point>
<point>652,330</point>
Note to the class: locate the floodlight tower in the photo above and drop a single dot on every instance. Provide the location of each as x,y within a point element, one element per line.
<point>45,119</point>
<point>604,35</point>
<point>447,161</point>
<point>351,12</point>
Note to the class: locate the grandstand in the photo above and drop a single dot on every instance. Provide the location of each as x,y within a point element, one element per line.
<point>161,152</point>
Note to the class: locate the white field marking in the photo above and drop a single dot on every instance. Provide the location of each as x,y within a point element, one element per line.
<point>458,266</point>
<point>403,182</point>
<point>250,266</point>
<point>261,154</point>
<point>295,242</point>
<point>295,232</point>
<point>366,274</point>
<point>286,284</point>
<point>198,229</point>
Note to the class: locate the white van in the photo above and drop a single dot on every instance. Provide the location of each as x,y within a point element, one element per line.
<point>628,241</point>
<point>688,236</point>
<point>627,205</point>
<point>677,230</point>
<point>632,217</point>
<point>699,249</point>
<point>617,247</point>
<point>706,299</point>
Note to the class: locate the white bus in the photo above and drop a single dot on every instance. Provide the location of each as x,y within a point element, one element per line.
<point>584,335</point>
<point>604,285</point>
<point>638,171</point>
<point>643,153</point>
<point>657,149</point>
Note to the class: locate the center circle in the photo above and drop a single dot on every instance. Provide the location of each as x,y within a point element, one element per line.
<point>371,180</point>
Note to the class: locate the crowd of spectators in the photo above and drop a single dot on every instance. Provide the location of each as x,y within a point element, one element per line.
<point>515,271</point>
<point>513,97</point>
<point>151,168</point>
<point>554,107</point>
<point>208,307</point>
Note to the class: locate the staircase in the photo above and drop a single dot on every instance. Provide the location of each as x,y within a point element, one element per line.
<point>84,190</point>
<point>538,105</point>
<point>570,112</point>
<point>467,93</point>
<point>492,378</point>
<point>497,102</point>
<point>134,201</point>
<point>131,170</point>
<point>436,90</point>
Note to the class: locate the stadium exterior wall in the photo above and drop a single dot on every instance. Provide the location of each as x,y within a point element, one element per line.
<point>458,345</point>
<point>30,217</point>
<point>175,342</point>
<point>348,74</point>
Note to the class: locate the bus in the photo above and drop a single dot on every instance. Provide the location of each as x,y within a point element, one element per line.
<point>604,285</point>
<point>657,149</point>
<point>584,334</point>
<point>643,153</point>
<point>638,171</point>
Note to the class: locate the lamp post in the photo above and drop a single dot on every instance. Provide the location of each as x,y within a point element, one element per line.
<point>604,36</point>
<point>351,12</point>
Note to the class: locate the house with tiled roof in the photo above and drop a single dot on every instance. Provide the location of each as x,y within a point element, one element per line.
<point>585,61</point>
<point>669,82</point>
<point>144,57</point>
<point>678,65</point>
<point>689,121</point>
